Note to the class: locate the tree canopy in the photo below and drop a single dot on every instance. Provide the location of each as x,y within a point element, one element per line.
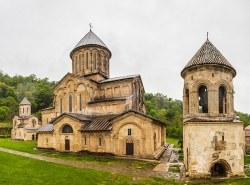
<point>14,89</point>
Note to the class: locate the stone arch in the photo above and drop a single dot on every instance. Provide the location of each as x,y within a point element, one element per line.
<point>130,145</point>
<point>223,83</point>
<point>226,103</point>
<point>220,168</point>
<point>119,128</point>
<point>201,82</point>
<point>66,129</point>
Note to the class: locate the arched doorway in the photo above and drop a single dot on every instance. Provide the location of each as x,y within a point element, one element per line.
<point>129,147</point>
<point>67,144</point>
<point>33,136</point>
<point>220,169</point>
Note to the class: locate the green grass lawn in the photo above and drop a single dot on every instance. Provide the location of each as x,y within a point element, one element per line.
<point>20,170</point>
<point>29,147</point>
<point>173,141</point>
<point>5,124</point>
<point>22,146</point>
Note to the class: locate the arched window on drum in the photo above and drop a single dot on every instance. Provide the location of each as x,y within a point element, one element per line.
<point>222,100</point>
<point>203,99</point>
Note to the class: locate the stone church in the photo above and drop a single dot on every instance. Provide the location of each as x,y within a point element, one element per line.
<point>213,137</point>
<point>95,113</point>
<point>25,126</point>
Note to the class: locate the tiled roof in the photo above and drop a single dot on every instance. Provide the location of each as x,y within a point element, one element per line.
<point>46,128</point>
<point>137,112</point>
<point>196,119</point>
<point>31,130</point>
<point>25,101</point>
<point>21,125</point>
<point>108,99</point>
<point>247,132</point>
<point>99,122</point>
<point>94,122</point>
<point>248,127</point>
<point>119,78</point>
<point>49,108</point>
<point>208,54</point>
<point>24,117</point>
<point>89,39</point>
<point>80,117</point>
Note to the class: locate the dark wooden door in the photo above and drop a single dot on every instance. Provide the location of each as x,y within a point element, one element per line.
<point>67,144</point>
<point>33,137</point>
<point>129,148</point>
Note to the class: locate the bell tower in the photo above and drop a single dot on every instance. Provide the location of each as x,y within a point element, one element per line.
<point>25,108</point>
<point>212,137</point>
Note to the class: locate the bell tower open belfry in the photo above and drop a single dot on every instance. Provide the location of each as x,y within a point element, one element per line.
<point>213,139</point>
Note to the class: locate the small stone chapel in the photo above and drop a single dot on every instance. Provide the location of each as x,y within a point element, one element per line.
<point>26,125</point>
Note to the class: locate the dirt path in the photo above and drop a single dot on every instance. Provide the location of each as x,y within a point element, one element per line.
<point>113,168</point>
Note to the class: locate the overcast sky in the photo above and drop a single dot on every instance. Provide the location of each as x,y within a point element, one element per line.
<point>155,39</point>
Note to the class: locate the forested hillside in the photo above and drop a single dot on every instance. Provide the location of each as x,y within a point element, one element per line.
<point>167,110</point>
<point>39,93</point>
<point>14,89</point>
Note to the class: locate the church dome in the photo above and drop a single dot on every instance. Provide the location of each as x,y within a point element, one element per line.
<point>208,54</point>
<point>90,39</point>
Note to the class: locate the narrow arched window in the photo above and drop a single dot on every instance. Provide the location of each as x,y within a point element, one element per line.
<point>80,62</point>
<point>187,101</point>
<point>222,100</point>
<point>74,66</point>
<point>61,105</point>
<point>67,129</point>
<point>87,60</point>
<point>85,141</point>
<point>203,99</point>
<point>80,102</point>
<point>23,110</point>
<point>100,141</point>
<point>33,122</point>
<point>70,103</point>
<point>76,63</point>
<point>95,60</point>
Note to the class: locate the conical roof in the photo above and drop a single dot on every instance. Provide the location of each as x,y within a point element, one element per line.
<point>25,101</point>
<point>208,54</point>
<point>90,39</point>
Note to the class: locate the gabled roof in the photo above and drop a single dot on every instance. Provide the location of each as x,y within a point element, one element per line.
<point>46,128</point>
<point>25,101</point>
<point>31,130</point>
<point>119,78</point>
<point>99,122</point>
<point>94,122</point>
<point>22,125</point>
<point>122,98</point>
<point>247,128</point>
<point>208,54</point>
